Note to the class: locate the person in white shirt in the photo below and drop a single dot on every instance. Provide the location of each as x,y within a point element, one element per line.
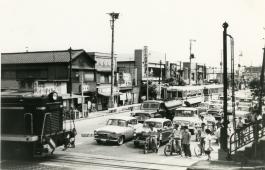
<point>154,135</point>
<point>208,146</point>
<point>177,136</point>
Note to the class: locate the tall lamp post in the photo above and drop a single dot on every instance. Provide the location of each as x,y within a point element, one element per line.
<point>113,16</point>
<point>225,123</point>
<point>191,57</point>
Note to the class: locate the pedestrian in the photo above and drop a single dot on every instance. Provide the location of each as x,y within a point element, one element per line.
<point>186,136</point>
<point>208,144</point>
<point>177,136</point>
<point>239,127</point>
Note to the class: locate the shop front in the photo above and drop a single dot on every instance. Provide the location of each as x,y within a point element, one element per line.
<point>104,96</point>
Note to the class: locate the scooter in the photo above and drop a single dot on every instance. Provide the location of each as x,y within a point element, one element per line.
<point>149,145</point>
<point>171,147</point>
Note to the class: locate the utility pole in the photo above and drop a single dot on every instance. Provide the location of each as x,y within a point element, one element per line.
<point>191,57</point>
<point>224,129</point>
<point>160,76</point>
<point>113,16</point>
<point>70,76</point>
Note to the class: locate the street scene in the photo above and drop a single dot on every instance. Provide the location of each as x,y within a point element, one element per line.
<point>132,85</point>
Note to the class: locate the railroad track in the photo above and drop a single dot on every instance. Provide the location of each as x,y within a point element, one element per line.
<point>79,161</point>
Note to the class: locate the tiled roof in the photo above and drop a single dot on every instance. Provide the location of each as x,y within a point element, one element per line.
<point>39,57</point>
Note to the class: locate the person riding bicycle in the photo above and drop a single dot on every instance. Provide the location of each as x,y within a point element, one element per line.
<point>176,133</point>
<point>153,135</point>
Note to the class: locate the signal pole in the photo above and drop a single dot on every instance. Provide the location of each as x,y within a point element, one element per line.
<point>113,16</point>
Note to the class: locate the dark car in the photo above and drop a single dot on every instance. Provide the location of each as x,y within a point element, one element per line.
<point>156,109</point>
<point>163,126</point>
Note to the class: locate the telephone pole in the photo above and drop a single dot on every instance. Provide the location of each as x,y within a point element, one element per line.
<point>113,16</point>
<point>191,57</point>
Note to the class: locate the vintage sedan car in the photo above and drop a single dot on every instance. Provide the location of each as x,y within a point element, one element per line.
<point>203,107</point>
<point>243,112</point>
<point>117,130</point>
<point>187,116</point>
<point>216,112</point>
<point>163,126</point>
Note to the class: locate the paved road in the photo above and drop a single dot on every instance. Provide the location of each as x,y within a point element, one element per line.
<point>89,155</point>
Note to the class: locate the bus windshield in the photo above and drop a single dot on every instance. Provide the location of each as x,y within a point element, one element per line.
<point>150,106</point>
<point>184,113</point>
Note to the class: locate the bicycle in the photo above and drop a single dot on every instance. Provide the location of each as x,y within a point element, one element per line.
<point>171,147</point>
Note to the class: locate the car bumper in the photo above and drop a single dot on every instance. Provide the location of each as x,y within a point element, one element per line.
<point>106,139</point>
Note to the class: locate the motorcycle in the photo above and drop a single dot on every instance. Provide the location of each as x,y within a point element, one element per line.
<point>171,147</point>
<point>149,145</point>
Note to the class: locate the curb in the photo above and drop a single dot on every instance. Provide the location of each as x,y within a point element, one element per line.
<point>220,165</point>
<point>100,115</point>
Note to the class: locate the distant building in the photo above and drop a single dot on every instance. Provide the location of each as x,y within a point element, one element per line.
<point>198,73</point>
<point>103,67</point>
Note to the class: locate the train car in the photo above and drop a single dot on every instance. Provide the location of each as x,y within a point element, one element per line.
<point>189,95</point>
<point>31,125</point>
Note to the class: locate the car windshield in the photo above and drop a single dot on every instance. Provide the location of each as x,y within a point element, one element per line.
<point>203,105</point>
<point>243,108</point>
<point>150,106</point>
<point>155,124</point>
<point>116,122</point>
<point>214,106</point>
<point>184,113</point>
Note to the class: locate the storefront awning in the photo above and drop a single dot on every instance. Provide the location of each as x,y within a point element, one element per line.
<point>109,94</point>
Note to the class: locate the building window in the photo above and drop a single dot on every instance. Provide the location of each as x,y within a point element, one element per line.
<point>89,77</point>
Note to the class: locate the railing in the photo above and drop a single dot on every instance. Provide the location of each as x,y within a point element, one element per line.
<point>244,136</point>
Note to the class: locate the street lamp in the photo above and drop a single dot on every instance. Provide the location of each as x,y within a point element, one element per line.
<point>191,57</point>
<point>113,16</point>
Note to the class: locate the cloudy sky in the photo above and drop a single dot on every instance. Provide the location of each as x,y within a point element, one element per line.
<point>165,26</point>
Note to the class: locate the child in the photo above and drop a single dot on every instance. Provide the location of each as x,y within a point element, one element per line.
<point>208,147</point>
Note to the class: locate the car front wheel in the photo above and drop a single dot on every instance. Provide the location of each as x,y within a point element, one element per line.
<point>120,140</point>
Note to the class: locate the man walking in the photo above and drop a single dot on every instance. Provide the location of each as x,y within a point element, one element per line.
<point>186,136</point>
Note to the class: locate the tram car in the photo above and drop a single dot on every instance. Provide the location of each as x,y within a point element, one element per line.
<point>31,125</point>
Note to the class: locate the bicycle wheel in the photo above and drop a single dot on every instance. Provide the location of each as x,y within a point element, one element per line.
<point>197,151</point>
<point>167,150</point>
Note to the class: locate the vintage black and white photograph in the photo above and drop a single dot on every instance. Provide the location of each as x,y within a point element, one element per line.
<point>132,84</point>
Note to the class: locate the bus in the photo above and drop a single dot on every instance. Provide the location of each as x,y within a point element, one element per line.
<point>189,95</point>
<point>213,91</point>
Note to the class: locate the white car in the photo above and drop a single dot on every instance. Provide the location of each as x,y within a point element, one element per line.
<point>187,116</point>
<point>117,130</point>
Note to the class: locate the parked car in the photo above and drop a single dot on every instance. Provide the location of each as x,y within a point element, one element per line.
<point>163,126</point>
<point>187,116</point>
<point>243,111</point>
<point>156,109</point>
<point>203,107</point>
<point>216,112</point>
<point>117,130</point>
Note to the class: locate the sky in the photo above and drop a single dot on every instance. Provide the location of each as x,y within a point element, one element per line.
<point>165,26</point>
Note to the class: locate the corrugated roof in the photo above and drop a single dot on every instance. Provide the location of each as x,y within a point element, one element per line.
<point>39,57</point>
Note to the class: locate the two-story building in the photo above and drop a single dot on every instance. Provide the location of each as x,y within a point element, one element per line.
<point>42,72</point>
<point>103,67</point>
